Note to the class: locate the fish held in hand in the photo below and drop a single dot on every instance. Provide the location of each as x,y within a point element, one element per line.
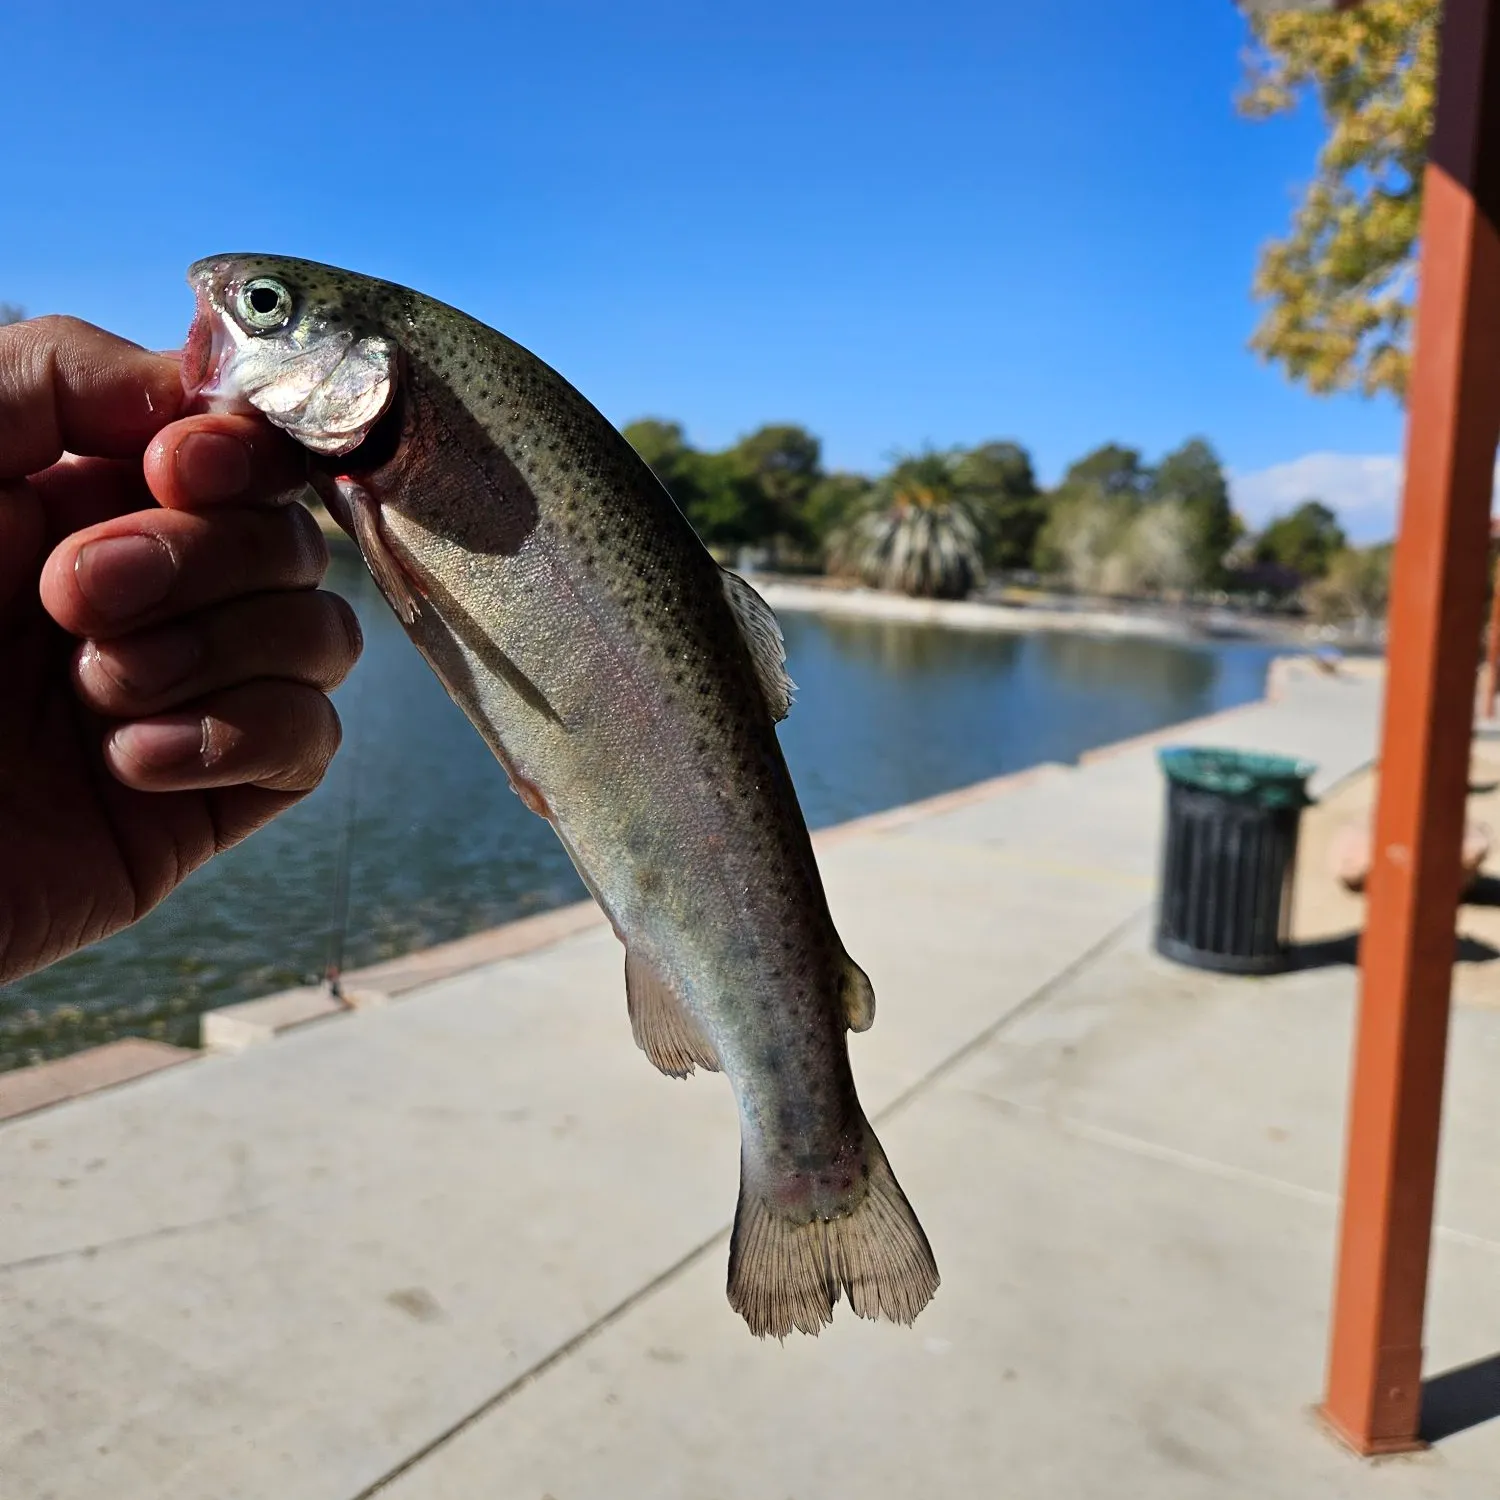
<point>631,689</point>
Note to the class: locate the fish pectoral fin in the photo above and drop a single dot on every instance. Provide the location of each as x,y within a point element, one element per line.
<point>859,997</point>
<point>660,1022</point>
<point>385,568</point>
<point>762,635</point>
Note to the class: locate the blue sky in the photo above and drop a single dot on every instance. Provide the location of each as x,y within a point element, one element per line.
<point>897,224</point>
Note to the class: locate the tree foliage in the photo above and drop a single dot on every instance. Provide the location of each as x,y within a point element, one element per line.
<point>1357,588</point>
<point>1112,469</point>
<point>937,521</point>
<point>916,536</point>
<point>1306,540</point>
<point>1192,477</point>
<point>1116,525</point>
<point>999,489</point>
<point>784,462</point>
<point>713,490</point>
<point>1339,286</point>
<point>833,501</point>
<point>11,312</point>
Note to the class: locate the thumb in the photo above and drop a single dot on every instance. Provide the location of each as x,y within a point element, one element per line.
<point>21,537</point>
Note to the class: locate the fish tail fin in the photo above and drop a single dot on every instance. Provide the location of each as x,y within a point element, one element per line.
<point>787,1273</point>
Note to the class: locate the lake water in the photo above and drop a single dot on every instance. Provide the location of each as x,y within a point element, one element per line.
<point>440,847</point>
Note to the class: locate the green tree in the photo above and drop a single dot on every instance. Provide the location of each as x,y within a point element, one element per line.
<point>662,444</point>
<point>832,503</point>
<point>1357,588</point>
<point>999,487</point>
<point>1305,540</point>
<point>11,312</point>
<point>1084,538</point>
<point>1192,477</point>
<point>1339,286</point>
<point>724,503</point>
<point>1112,469</point>
<point>916,536</point>
<point>727,507</point>
<point>785,462</point>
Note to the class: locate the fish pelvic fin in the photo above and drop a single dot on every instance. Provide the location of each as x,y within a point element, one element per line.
<point>859,997</point>
<point>788,1273</point>
<point>661,1024</point>
<point>762,635</point>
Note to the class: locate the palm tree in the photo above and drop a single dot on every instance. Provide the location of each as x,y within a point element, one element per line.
<point>915,537</point>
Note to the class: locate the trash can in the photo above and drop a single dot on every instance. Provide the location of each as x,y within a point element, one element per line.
<point>1227,858</point>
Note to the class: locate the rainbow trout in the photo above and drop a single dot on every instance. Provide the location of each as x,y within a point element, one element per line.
<point>630,687</point>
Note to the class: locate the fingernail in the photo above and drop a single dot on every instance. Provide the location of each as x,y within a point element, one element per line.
<point>161,743</point>
<point>213,466</point>
<point>124,575</point>
<point>148,665</point>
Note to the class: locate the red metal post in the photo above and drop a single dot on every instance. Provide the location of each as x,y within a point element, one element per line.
<point>1492,646</point>
<point>1374,1392</point>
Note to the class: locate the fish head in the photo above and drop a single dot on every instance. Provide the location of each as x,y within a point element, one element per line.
<point>305,345</point>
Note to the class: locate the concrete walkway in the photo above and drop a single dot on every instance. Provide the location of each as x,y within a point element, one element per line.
<point>469,1245</point>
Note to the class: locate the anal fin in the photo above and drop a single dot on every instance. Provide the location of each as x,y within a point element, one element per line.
<point>663,1029</point>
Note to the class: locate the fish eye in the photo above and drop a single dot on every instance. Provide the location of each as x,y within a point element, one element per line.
<point>264,304</point>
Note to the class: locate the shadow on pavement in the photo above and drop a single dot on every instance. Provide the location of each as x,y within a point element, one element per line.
<point>1327,953</point>
<point>1459,1399</point>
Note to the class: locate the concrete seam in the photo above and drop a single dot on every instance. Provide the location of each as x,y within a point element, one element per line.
<point>586,1335</point>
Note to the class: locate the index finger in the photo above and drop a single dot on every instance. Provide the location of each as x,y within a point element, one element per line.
<point>67,386</point>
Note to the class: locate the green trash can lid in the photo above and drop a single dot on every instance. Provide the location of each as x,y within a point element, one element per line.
<point>1270,780</point>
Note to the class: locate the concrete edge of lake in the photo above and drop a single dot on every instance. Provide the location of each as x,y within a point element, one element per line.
<point>235,1027</point>
<point>828,598</point>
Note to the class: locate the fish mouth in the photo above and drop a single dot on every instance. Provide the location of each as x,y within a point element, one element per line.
<point>209,347</point>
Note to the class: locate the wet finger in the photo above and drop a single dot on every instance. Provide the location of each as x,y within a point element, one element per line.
<point>276,735</point>
<point>66,385</point>
<point>216,458</point>
<point>307,637</point>
<point>157,565</point>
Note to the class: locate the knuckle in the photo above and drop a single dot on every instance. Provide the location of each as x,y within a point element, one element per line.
<point>53,328</point>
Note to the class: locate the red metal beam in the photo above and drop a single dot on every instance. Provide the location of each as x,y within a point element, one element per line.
<point>1374,1390</point>
<point>1492,648</point>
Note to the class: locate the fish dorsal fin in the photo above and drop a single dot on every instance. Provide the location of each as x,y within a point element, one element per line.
<point>663,1029</point>
<point>763,636</point>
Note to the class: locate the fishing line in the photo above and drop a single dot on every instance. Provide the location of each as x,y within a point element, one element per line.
<point>338,924</point>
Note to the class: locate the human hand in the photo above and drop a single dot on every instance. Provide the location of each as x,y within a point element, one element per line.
<point>195,708</point>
